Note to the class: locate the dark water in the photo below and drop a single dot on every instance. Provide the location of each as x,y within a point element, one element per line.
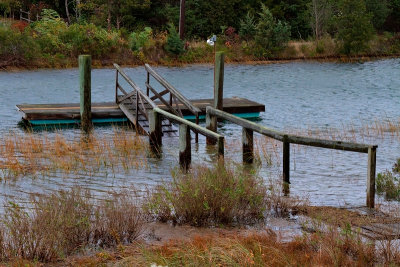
<point>298,97</point>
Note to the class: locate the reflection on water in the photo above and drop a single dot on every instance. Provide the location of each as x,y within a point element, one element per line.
<point>298,96</point>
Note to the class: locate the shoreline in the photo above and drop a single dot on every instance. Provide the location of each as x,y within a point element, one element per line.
<point>98,64</point>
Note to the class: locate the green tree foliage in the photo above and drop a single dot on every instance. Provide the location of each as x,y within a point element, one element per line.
<point>247,27</point>
<point>379,10</point>
<point>354,25</point>
<point>138,40</point>
<point>271,35</point>
<point>174,43</point>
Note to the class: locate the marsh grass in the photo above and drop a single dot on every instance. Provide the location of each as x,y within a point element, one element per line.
<point>41,154</point>
<point>388,182</point>
<point>68,222</point>
<point>222,194</point>
<point>333,248</point>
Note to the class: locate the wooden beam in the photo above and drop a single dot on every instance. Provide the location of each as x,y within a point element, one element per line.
<point>85,70</point>
<point>371,177</point>
<point>286,164</point>
<point>294,139</point>
<point>248,146</point>
<point>185,150</point>
<point>211,124</point>
<point>155,130</point>
<point>193,126</point>
<point>219,80</point>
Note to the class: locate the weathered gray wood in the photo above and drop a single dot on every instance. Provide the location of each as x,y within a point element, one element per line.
<point>165,102</point>
<point>85,70</point>
<point>116,86</point>
<point>161,93</point>
<point>248,146</point>
<point>219,80</point>
<point>294,139</point>
<point>192,125</point>
<point>137,88</point>
<point>185,150</point>
<point>155,130</point>
<point>172,89</point>
<point>211,124</point>
<point>221,147</point>
<point>286,162</point>
<point>371,177</point>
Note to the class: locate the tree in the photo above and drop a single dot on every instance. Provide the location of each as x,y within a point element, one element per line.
<point>271,35</point>
<point>354,25</point>
<point>174,43</point>
<point>379,10</point>
<point>320,11</point>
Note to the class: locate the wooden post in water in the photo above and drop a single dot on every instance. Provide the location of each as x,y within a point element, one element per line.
<point>155,131</point>
<point>211,121</point>
<point>286,164</point>
<point>247,141</point>
<point>221,148</point>
<point>85,69</point>
<point>371,177</point>
<point>185,150</point>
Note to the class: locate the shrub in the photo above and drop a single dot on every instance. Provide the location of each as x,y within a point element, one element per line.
<point>139,40</point>
<point>16,47</point>
<point>388,182</point>
<point>210,196</point>
<point>174,44</point>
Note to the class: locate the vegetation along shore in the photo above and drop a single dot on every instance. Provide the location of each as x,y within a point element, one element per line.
<point>51,34</point>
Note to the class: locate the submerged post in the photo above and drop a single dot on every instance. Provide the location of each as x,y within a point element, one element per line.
<point>211,124</point>
<point>85,69</point>
<point>286,164</point>
<point>185,150</point>
<point>371,177</point>
<point>247,142</point>
<point>155,131</point>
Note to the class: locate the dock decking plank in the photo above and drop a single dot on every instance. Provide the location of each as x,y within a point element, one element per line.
<point>111,110</point>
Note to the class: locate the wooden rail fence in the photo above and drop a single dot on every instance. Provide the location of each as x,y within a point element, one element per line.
<point>185,126</point>
<point>26,16</point>
<point>249,127</point>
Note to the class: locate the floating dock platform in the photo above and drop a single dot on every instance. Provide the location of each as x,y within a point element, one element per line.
<point>109,112</point>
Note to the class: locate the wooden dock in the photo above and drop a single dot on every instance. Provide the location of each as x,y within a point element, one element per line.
<point>110,112</point>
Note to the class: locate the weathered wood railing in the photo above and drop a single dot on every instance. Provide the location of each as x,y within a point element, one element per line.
<point>287,139</point>
<point>137,96</point>
<point>185,127</point>
<point>26,16</point>
<point>175,97</point>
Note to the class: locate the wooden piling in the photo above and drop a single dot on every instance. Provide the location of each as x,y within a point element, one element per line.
<point>185,150</point>
<point>85,69</point>
<point>286,164</point>
<point>155,130</point>
<point>211,124</point>
<point>221,147</point>
<point>219,80</point>
<point>371,177</point>
<point>248,146</point>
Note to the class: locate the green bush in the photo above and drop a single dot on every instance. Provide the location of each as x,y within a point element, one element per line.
<point>210,196</point>
<point>139,40</point>
<point>247,27</point>
<point>388,182</point>
<point>15,47</point>
<point>174,44</point>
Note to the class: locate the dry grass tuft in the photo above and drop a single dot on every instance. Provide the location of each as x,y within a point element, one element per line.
<point>67,222</point>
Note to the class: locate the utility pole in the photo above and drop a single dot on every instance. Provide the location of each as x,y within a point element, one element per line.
<point>182,20</point>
